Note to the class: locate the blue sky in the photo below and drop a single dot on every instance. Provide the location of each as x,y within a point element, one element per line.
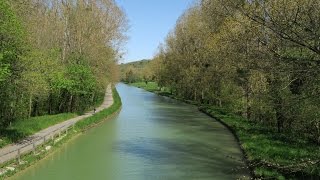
<point>150,21</point>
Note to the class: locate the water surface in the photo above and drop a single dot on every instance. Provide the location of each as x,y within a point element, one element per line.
<point>153,137</point>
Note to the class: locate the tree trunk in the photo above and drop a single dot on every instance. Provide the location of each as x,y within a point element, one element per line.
<point>70,103</point>
<point>66,30</point>
<point>279,114</point>
<point>30,106</point>
<point>50,104</point>
<point>202,96</point>
<point>248,109</point>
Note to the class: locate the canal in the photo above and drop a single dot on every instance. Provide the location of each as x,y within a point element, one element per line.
<point>153,137</point>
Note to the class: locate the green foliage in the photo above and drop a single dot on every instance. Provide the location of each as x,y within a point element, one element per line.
<point>269,153</point>
<point>4,69</point>
<point>10,31</point>
<point>81,78</point>
<point>252,58</point>
<point>53,62</point>
<point>80,88</point>
<point>136,71</point>
<point>99,117</point>
<point>258,60</point>
<point>11,47</point>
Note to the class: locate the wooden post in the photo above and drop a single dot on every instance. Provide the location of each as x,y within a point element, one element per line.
<point>34,147</point>
<point>52,139</point>
<point>19,156</point>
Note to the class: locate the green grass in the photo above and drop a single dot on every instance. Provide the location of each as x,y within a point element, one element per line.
<point>269,154</point>
<point>35,124</point>
<point>23,128</point>
<point>154,88</point>
<point>151,86</point>
<point>91,121</point>
<point>264,172</point>
<point>99,117</point>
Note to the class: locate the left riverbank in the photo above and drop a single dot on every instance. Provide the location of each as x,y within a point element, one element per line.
<point>12,167</point>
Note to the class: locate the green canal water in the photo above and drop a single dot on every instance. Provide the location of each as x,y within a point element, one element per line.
<point>153,137</point>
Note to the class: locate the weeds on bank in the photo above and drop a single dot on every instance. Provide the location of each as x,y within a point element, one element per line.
<point>270,155</point>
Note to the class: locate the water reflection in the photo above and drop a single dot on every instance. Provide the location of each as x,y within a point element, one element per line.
<point>153,137</point>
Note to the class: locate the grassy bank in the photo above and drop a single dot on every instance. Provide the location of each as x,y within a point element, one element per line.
<point>269,154</point>
<point>150,86</point>
<point>23,128</point>
<point>99,117</point>
<point>41,151</point>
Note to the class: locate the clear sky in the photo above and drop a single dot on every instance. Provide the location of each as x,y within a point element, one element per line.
<point>150,21</point>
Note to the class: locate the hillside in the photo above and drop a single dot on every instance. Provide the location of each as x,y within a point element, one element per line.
<point>134,71</point>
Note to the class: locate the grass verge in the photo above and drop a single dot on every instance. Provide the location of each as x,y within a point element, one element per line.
<point>270,155</point>
<point>31,158</point>
<point>150,86</point>
<point>23,128</point>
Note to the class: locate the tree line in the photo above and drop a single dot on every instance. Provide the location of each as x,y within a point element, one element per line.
<point>57,56</point>
<point>138,71</point>
<point>259,59</point>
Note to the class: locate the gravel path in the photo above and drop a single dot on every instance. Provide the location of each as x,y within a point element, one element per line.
<point>12,151</point>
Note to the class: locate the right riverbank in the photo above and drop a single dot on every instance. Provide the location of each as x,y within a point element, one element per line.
<point>269,154</point>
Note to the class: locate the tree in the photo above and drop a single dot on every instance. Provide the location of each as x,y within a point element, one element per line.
<point>256,58</point>
<point>59,57</point>
<point>11,47</point>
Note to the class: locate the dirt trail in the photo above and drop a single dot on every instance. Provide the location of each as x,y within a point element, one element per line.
<point>12,151</point>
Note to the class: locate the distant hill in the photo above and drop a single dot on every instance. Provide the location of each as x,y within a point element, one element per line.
<point>136,64</point>
<point>133,71</point>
